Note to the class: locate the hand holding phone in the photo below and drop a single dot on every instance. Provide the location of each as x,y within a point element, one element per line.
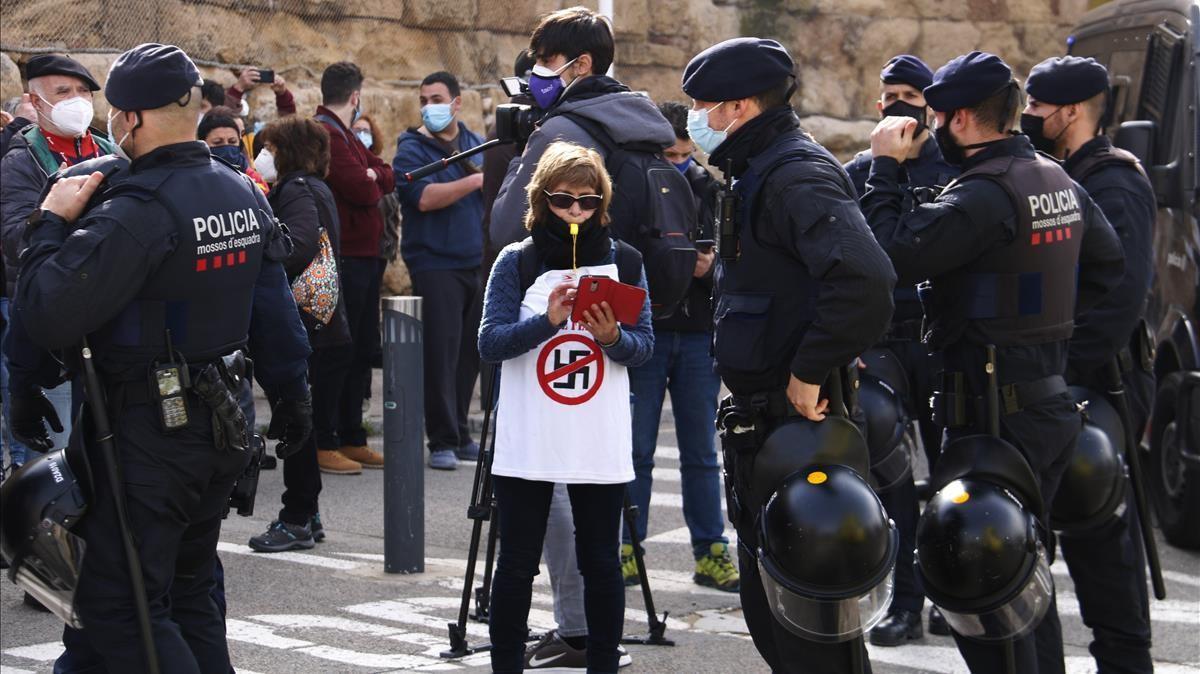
<point>625,301</point>
<point>266,76</point>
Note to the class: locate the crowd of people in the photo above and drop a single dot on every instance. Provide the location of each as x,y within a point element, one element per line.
<point>929,247</point>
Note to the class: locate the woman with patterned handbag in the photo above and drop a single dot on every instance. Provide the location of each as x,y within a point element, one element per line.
<point>295,158</point>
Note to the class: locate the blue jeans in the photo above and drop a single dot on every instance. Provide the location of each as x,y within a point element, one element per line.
<point>60,397</point>
<point>683,365</point>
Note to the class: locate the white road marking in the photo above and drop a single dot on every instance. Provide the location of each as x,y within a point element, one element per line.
<point>1181,578</point>
<point>44,652</point>
<point>299,558</point>
<point>684,537</point>
<point>5,669</point>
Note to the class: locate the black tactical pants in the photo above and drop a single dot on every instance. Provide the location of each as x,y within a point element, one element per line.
<point>176,488</point>
<point>1108,568</point>
<point>901,500</point>
<point>1045,433</point>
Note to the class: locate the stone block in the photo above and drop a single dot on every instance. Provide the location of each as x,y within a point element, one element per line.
<point>10,79</point>
<point>661,83</point>
<point>641,53</point>
<point>440,14</point>
<point>826,92</point>
<point>513,17</point>
<point>941,41</point>
<point>844,138</point>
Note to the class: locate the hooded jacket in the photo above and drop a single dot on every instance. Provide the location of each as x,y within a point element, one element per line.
<point>626,116</point>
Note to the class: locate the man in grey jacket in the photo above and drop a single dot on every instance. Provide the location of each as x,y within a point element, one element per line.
<point>573,49</point>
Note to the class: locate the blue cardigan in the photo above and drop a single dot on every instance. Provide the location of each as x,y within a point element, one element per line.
<point>502,335</point>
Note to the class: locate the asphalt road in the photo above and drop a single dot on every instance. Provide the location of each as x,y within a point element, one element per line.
<point>333,609</point>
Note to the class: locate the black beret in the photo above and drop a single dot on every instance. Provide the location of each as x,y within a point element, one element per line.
<point>907,69</point>
<point>1063,80</point>
<point>737,68</point>
<point>150,76</point>
<point>966,81</point>
<point>54,64</point>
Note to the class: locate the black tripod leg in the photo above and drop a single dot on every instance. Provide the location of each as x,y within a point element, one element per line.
<point>481,508</point>
<point>657,627</point>
<point>483,593</point>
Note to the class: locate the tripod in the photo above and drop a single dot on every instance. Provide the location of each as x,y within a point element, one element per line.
<point>483,508</point>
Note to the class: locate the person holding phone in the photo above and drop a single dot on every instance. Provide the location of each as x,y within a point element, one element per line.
<point>564,401</point>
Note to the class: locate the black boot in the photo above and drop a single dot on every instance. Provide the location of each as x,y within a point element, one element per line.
<point>900,626</point>
<point>937,623</point>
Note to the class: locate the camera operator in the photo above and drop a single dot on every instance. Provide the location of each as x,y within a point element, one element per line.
<point>527,322</point>
<point>573,48</point>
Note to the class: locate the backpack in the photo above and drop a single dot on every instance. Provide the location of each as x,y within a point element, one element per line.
<point>626,257</point>
<point>654,211</point>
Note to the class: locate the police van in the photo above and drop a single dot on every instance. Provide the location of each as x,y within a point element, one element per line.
<point>1152,53</point>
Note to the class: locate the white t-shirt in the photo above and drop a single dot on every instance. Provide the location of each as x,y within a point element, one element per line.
<point>563,413</point>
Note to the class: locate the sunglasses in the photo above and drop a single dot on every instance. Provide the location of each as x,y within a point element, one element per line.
<point>587,202</point>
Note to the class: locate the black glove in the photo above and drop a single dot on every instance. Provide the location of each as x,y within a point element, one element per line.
<point>291,424</point>
<point>30,413</point>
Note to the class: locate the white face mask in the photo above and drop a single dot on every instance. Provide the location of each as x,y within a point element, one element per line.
<point>119,151</point>
<point>72,115</point>
<point>264,163</point>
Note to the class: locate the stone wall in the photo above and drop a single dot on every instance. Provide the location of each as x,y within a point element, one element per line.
<point>838,44</point>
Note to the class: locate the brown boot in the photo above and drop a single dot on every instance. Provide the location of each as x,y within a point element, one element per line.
<point>332,461</point>
<point>363,454</point>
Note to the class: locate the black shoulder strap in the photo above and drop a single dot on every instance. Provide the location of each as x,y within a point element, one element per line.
<point>629,263</point>
<point>322,117</point>
<point>528,264</point>
<point>626,257</point>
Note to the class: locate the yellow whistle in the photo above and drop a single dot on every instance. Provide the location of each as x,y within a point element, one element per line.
<point>574,229</point>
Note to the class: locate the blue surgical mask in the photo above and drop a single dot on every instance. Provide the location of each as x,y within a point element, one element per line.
<point>684,165</point>
<point>232,154</point>
<point>705,136</point>
<point>547,85</point>
<point>437,116</point>
<point>365,137</point>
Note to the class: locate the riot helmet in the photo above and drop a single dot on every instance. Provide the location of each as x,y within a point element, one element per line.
<point>826,555</point>
<point>1092,489</point>
<point>979,556</point>
<point>798,443</point>
<point>887,431</point>
<point>40,506</point>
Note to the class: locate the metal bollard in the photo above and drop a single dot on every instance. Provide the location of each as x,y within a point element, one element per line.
<point>403,436</point>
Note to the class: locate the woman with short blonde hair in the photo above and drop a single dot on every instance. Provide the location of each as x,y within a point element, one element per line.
<point>563,414</point>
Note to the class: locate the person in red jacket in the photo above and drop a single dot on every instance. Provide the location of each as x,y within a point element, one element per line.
<point>359,180</point>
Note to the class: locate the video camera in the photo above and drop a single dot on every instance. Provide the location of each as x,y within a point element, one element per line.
<point>514,124</point>
<point>516,121</point>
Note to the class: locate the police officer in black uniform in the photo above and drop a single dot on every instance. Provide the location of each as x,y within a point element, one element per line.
<point>922,173</point>
<point>805,289</point>
<point>174,269</point>
<point>1066,107</point>
<point>1004,248</point>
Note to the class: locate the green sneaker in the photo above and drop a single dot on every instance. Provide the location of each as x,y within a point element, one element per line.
<point>629,565</point>
<point>716,569</point>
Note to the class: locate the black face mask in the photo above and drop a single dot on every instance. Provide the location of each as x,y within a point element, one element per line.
<point>952,151</point>
<point>902,109</point>
<point>1035,127</point>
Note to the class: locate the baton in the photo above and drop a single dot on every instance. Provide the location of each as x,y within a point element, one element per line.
<point>1116,393</point>
<point>104,438</point>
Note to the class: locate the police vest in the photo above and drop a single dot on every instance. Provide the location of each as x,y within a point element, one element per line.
<point>202,292</point>
<point>1105,156</point>
<point>1023,292</point>
<point>766,299</point>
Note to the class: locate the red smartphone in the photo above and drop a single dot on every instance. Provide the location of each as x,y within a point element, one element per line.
<point>625,300</point>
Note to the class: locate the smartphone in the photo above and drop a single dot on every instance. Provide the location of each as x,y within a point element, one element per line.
<point>266,76</point>
<point>625,300</point>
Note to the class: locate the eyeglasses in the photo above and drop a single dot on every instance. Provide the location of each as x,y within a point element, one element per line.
<point>587,202</point>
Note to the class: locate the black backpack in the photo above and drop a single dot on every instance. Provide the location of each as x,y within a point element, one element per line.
<point>654,211</point>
